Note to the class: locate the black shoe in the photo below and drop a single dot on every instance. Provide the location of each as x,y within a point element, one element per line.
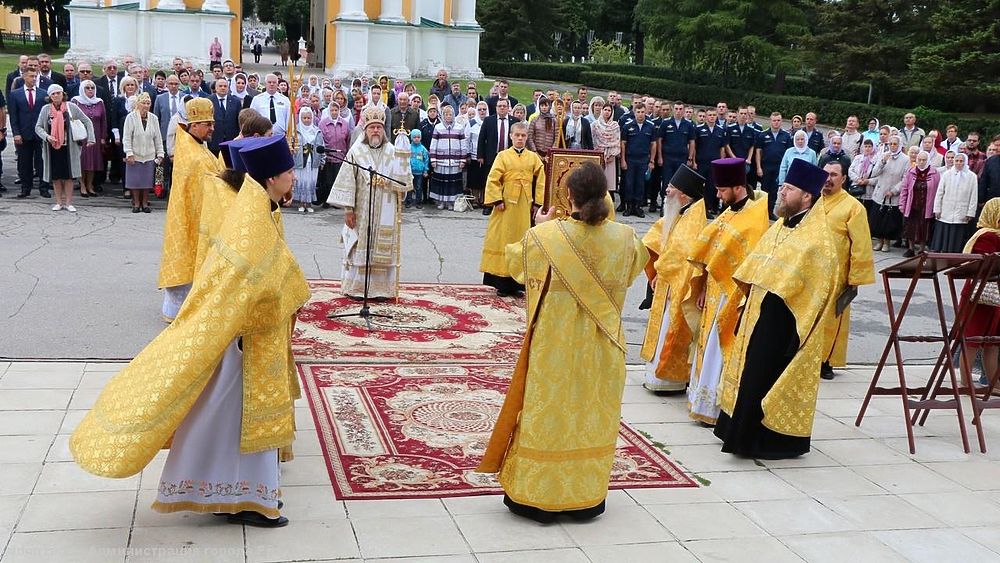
<point>487,211</point>
<point>898,244</point>
<point>146,210</point>
<point>407,205</point>
<point>136,210</point>
<point>638,212</point>
<point>46,194</point>
<point>325,205</point>
<point>251,518</point>
<point>22,196</point>
<point>653,208</point>
<point>909,253</point>
<point>628,211</point>
<point>826,372</point>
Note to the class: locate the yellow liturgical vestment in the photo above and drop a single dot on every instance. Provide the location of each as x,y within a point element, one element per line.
<point>249,286</point>
<point>848,223</point>
<point>785,263</point>
<point>554,441</point>
<point>217,200</point>
<point>518,181</point>
<point>192,163</point>
<point>673,276</point>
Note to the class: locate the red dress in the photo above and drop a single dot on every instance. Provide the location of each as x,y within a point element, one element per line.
<point>985,319</point>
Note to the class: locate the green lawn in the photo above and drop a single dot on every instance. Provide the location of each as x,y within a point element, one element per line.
<point>519,91</point>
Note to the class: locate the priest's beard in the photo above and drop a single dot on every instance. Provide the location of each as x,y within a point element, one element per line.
<point>787,209</point>
<point>375,143</point>
<point>671,211</point>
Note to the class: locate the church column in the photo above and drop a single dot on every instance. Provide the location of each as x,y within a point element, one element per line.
<point>464,13</point>
<point>215,6</point>
<point>392,11</point>
<point>352,10</point>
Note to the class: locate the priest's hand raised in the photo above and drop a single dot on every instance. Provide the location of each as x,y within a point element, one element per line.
<point>541,217</point>
<point>349,219</point>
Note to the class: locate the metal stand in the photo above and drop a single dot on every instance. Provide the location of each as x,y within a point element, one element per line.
<point>365,312</point>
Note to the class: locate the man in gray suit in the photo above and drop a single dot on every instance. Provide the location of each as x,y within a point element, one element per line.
<point>164,108</point>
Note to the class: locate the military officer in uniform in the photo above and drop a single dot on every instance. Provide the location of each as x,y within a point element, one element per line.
<point>676,143</point>
<point>814,139</point>
<point>652,193</point>
<point>637,157</point>
<point>709,144</point>
<point>741,137</point>
<point>771,146</point>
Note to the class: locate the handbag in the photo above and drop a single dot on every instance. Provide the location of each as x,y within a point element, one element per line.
<point>886,221</point>
<point>990,295</point>
<point>77,130</point>
<point>464,203</point>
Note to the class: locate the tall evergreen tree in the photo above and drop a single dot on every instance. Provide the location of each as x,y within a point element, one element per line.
<point>515,27</point>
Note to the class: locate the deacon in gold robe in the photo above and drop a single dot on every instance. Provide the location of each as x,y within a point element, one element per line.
<point>790,282</point>
<point>216,384</point>
<point>848,221</point>
<point>515,188</point>
<point>720,249</point>
<point>670,335</point>
<point>193,163</point>
<point>379,231</point>
<point>554,440</point>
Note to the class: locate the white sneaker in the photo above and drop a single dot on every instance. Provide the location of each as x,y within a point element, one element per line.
<point>302,210</point>
<point>440,205</point>
<point>56,207</point>
<point>71,209</point>
<point>310,210</point>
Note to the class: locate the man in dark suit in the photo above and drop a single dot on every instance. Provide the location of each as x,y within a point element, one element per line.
<point>494,136</point>
<point>502,87</point>
<point>109,82</point>
<point>197,91</point>
<point>22,65</point>
<point>45,71</point>
<point>25,106</point>
<point>227,113</point>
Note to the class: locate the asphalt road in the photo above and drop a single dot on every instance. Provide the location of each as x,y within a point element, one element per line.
<point>84,285</point>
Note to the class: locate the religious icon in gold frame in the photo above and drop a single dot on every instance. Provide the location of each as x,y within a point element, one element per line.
<point>561,163</point>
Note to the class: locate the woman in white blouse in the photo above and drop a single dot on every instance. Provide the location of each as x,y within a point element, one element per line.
<point>955,206</point>
<point>143,148</point>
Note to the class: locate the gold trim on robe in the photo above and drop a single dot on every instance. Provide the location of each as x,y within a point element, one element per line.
<point>251,286</point>
<point>785,263</point>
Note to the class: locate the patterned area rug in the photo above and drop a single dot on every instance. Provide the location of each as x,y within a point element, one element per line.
<point>391,431</point>
<point>431,323</point>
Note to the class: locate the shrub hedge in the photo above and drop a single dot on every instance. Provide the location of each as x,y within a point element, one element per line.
<point>794,85</point>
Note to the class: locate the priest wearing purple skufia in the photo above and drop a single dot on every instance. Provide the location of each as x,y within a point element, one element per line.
<point>771,378</point>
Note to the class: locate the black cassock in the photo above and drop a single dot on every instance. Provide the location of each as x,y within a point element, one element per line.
<point>773,343</point>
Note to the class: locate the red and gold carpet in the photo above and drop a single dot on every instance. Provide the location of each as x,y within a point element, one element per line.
<point>431,323</point>
<point>391,431</point>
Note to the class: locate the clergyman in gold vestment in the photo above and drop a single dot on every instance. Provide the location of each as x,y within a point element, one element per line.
<point>772,378</point>
<point>848,222</point>
<point>217,383</point>
<point>192,165</point>
<point>515,187</point>
<point>670,332</point>
<point>554,441</point>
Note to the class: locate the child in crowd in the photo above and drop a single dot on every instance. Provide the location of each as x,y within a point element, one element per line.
<point>420,160</point>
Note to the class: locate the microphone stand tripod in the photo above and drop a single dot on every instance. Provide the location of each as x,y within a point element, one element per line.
<point>365,312</point>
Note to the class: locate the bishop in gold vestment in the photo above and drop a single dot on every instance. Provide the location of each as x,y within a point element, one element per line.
<point>217,383</point>
<point>515,187</point>
<point>352,191</point>
<point>554,441</point>
<point>772,378</point>
<point>193,164</point>
<point>720,249</point>
<point>669,341</point>
<point>848,221</point>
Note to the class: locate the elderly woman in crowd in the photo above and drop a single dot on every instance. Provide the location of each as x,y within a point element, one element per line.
<point>955,206</point>
<point>927,145</point>
<point>448,158</point>
<point>61,150</point>
<point>607,138</point>
<point>336,128</point>
<point>91,157</point>
<point>475,175</point>
<point>143,147</point>
<point>309,158</point>
<point>949,162</point>
<point>798,151</point>
<point>916,201</point>
<point>121,106</point>
<point>888,178</point>
<point>863,168</point>
<point>519,111</point>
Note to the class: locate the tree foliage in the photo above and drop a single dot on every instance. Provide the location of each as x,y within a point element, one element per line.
<point>49,14</point>
<point>961,59</point>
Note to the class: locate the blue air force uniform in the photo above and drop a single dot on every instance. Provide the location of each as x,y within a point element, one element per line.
<point>638,139</point>
<point>674,139</point>
<point>708,143</point>
<point>772,148</point>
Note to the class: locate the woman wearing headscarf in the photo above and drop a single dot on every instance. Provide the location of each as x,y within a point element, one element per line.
<point>955,206</point>
<point>336,128</point>
<point>475,175</point>
<point>888,179</point>
<point>60,150</point>
<point>309,158</point>
<point>388,96</point>
<point>927,145</point>
<point>448,158</point>
<point>240,90</point>
<point>916,202</point>
<point>143,147</point>
<point>594,109</point>
<point>985,320</point>
<point>872,132</point>
<point>798,151</point>
<point>607,139</point>
<point>949,162</point>
<point>863,169</point>
<point>91,157</point>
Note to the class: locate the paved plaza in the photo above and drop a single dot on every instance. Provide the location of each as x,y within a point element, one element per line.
<point>79,299</point>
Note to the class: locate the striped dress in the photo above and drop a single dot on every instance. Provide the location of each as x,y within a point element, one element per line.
<point>448,150</point>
